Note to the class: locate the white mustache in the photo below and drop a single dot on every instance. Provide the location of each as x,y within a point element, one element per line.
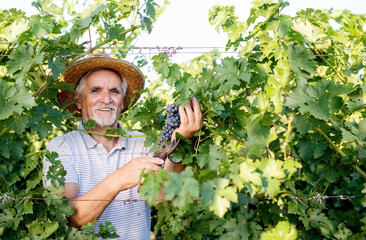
<point>111,106</point>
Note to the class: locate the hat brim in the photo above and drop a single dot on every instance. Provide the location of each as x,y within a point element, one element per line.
<point>129,72</point>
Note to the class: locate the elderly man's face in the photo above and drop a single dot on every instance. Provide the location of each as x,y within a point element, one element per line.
<point>101,98</point>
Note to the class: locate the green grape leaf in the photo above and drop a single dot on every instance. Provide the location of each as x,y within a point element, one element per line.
<point>223,16</point>
<point>216,194</point>
<point>295,207</point>
<point>42,128</point>
<point>43,229</point>
<point>261,135</point>
<point>89,124</point>
<point>12,32</point>
<point>57,67</point>
<point>185,89</point>
<point>235,176</point>
<point>271,168</point>
<point>236,228</point>
<point>114,32</point>
<point>210,155</point>
<point>86,17</point>
<point>358,130</point>
<point>50,227</point>
<point>356,100</point>
<point>249,174</point>
<point>161,64</point>
<point>319,219</point>
<point>343,232</point>
<point>10,147</point>
<point>150,8</point>
<point>302,63</point>
<point>47,6</point>
<point>181,188</point>
<point>231,73</point>
<point>284,25</point>
<point>34,180</point>
<point>25,208</point>
<point>21,61</point>
<point>283,230</point>
<point>8,219</point>
<point>290,167</point>
<point>175,74</point>
<point>13,100</point>
<point>35,228</point>
<point>146,23</point>
<point>40,26</point>
<point>107,230</point>
<point>152,185</point>
<point>30,164</point>
<point>42,125</point>
<point>314,100</point>
<point>331,174</point>
<point>311,147</point>
<point>309,31</point>
<point>302,124</point>
<point>270,186</point>
<point>348,136</point>
<point>56,172</point>
<point>20,123</point>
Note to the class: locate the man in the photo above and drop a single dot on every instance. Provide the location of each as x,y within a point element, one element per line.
<point>101,168</point>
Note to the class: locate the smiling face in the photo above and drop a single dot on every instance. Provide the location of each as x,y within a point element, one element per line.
<point>102,98</point>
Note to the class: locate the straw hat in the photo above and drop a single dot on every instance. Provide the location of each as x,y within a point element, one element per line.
<point>129,72</point>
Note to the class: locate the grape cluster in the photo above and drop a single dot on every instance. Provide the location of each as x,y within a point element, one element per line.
<point>172,122</point>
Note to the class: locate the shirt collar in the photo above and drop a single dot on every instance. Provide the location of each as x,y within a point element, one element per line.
<point>91,142</point>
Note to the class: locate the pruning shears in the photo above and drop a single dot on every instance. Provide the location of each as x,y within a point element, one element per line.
<point>165,153</point>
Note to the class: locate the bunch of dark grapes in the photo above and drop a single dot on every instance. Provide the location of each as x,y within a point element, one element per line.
<point>172,122</point>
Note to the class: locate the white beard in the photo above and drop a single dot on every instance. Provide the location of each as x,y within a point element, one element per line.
<point>105,122</point>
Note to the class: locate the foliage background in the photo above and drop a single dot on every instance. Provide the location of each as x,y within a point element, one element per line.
<point>283,143</point>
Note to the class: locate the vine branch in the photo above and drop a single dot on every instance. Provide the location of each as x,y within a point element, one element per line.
<point>340,152</point>
<point>99,45</point>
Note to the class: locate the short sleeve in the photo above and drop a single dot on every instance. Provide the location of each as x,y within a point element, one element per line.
<point>60,146</point>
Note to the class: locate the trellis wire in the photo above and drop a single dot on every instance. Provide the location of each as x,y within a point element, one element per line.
<point>171,51</point>
<point>6,198</point>
<point>318,198</point>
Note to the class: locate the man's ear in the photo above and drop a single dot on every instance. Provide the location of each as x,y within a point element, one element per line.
<point>78,103</point>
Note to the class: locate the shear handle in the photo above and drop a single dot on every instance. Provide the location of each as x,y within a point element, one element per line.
<point>168,150</point>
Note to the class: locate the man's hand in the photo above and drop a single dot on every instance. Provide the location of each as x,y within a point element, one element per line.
<point>132,170</point>
<point>190,119</point>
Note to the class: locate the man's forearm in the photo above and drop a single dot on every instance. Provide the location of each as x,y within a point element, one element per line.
<point>100,197</point>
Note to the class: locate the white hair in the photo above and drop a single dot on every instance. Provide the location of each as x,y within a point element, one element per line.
<point>81,84</point>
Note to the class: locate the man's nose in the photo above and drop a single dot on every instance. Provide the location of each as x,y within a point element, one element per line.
<point>106,98</point>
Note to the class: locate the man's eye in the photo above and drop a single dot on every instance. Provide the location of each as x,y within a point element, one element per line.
<point>94,90</point>
<point>116,91</point>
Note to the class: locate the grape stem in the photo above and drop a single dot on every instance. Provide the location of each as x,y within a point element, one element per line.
<point>105,134</point>
<point>340,152</point>
<point>198,142</point>
<point>111,135</point>
<point>4,131</point>
<point>335,147</point>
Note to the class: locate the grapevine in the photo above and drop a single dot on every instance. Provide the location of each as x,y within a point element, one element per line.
<point>282,152</point>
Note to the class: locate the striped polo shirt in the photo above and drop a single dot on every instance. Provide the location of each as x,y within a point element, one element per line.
<point>87,163</point>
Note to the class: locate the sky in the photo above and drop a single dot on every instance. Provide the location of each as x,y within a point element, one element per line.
<point>184,23</point>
